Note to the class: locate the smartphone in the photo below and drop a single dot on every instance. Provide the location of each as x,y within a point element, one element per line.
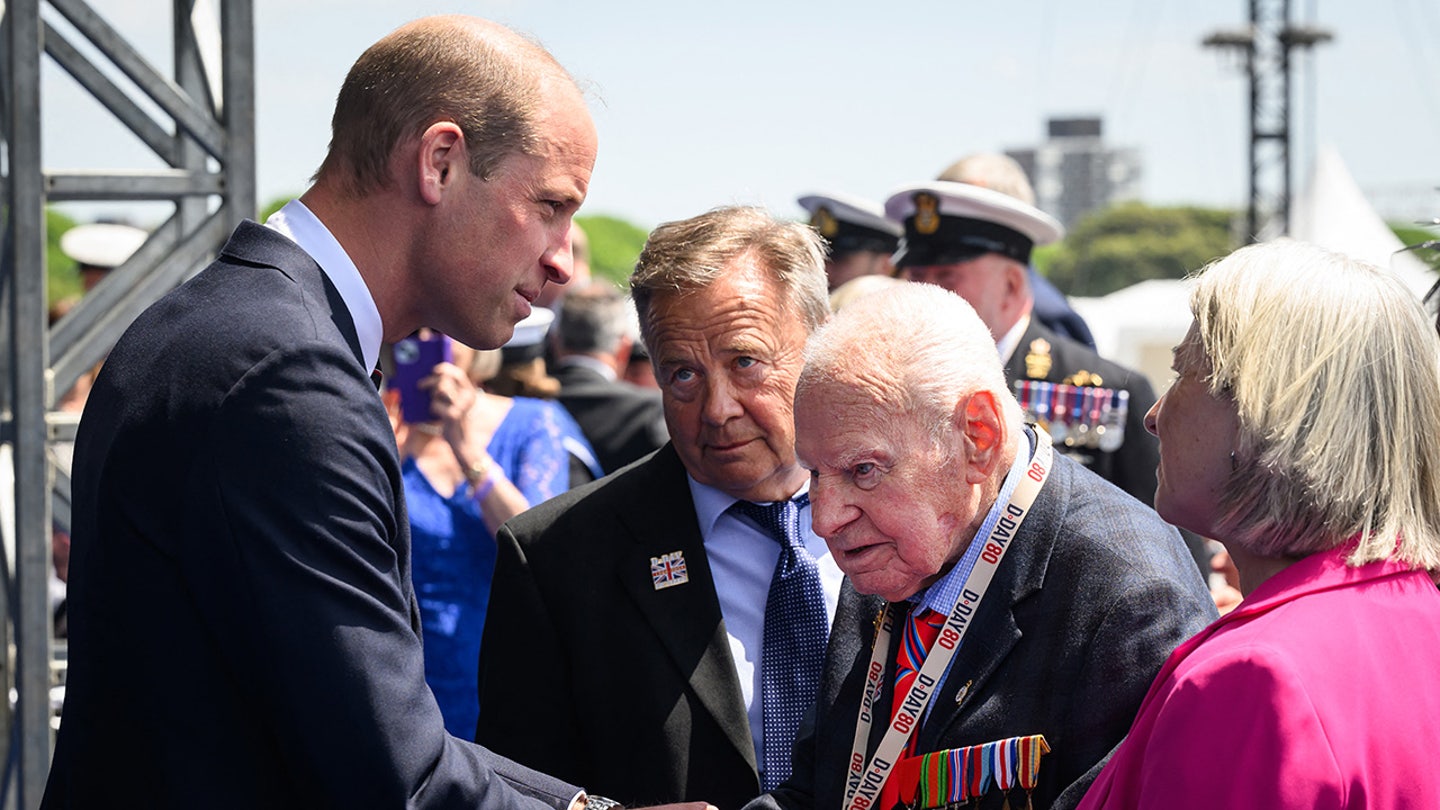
<point>415,359</point>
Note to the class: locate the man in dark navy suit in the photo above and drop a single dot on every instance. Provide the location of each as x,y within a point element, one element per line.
<point>244,631</point>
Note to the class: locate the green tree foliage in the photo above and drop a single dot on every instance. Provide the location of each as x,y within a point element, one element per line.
<point>1415,236</point>
<point>1133,242</point>
<point>275,205</point>
<point>62,276</point>
<point>614,246</point>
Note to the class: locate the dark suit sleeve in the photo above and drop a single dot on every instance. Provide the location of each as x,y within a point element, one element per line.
<point>1146,620</point>
<point>310,595</point>
<point>525,674</point>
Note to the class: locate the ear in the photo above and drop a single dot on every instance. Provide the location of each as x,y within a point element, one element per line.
<point>979,419</point>
<point>622,353</point>
<point>442,155</point>
<point>1017,282</point>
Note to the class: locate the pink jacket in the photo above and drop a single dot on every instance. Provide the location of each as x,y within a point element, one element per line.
<point>1321,690</point>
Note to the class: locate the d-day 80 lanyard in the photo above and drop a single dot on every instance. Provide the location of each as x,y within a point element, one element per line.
<point>864,781</point>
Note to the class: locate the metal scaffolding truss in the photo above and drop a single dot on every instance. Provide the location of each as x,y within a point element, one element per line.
<point>1267,45</point>
<point>200,122</point>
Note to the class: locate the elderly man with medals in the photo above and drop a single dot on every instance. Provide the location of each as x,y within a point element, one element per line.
<point>1005,608</point>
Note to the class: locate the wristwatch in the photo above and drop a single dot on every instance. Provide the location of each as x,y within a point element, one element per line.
<point>589,801</point>
<point>479,472</point>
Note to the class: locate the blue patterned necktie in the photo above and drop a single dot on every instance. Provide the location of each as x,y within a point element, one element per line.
<point>793,650</point>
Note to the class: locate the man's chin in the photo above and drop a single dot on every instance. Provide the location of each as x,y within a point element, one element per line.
<point>886,589</point>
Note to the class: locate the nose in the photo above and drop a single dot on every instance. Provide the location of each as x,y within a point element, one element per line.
<point>828,511</point>
<point>559,260</point>
<point>721,404</point>
<point>1152,414</point>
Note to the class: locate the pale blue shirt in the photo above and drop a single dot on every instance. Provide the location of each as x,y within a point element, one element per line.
<point>742,560</point>
<point>302,227</point>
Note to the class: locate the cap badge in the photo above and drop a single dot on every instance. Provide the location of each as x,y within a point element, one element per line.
<point>1037,361</point>
<point>927,213</point>
<point>825,223</point>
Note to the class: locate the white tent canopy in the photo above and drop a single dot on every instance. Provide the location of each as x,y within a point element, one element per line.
<point>1139,325</point>
<point>1333,213</point>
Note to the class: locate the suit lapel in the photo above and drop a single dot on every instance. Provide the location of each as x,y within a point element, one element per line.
<point>686,617</point>
<point>1015,367</point>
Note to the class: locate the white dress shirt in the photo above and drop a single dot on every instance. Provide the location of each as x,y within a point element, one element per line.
<point>302,227</point>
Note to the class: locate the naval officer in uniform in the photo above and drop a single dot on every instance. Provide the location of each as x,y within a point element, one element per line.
<point>976,242</point>
<point>859,239</point>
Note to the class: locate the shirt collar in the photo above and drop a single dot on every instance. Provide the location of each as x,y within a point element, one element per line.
<point>586,361</point>
<point>306,230</point>
<point>711,503</point>
<point>1011,339</point>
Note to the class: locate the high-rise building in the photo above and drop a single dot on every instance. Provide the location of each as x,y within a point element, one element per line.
<point>1074,172</point>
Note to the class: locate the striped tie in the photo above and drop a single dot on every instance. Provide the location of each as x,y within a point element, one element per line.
<point>921,628</point>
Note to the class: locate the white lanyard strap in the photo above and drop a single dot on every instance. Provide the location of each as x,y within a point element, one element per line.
<point>864,781</point>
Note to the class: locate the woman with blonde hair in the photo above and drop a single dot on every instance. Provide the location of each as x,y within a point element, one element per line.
<point>1303,433</point>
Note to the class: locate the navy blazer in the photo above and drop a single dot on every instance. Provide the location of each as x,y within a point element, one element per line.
<point>1093,595</point>
<point>243,630</point>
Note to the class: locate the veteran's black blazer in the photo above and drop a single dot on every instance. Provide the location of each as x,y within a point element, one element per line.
<point>1091,598</point>
<point>243,630</point>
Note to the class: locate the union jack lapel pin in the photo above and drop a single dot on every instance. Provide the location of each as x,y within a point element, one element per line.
<point>668,570</point>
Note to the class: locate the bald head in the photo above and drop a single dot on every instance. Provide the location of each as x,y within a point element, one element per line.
<point>992,170</point>
<point>487,79</point>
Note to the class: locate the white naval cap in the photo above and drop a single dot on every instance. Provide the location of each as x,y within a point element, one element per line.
<point>850,223</point>
<point>528,342</point>
<point>947,222</point>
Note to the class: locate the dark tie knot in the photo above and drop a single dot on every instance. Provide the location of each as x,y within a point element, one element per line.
<point>781,519</point>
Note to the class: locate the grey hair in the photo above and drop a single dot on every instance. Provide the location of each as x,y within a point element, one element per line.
<point>992,170</point>
<point>593,319</point>
<point>691,254</point>
<point>1335,372</point>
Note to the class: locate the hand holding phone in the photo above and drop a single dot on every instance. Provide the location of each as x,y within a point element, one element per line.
<point>415,359</point>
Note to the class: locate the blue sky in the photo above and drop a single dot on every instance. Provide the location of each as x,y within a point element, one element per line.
<point>699,105</point>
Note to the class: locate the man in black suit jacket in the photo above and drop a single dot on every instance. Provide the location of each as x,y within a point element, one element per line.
<point>625,618</point>
<point>622,421</point>
<point>922,469</point>
<point>243,628</point>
